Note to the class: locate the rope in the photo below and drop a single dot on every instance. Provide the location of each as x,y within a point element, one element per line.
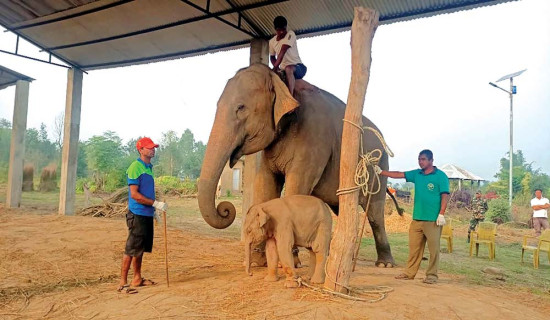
<point>381,291</point>
<point>371,158</point>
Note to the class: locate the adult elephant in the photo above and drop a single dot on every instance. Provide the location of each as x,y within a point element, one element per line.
<point>301,140</point>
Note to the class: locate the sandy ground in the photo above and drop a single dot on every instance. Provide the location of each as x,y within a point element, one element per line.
<point>56,267</point>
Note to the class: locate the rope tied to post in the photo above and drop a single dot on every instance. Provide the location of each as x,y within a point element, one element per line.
<point>370,158</point>
<point>380,291</point>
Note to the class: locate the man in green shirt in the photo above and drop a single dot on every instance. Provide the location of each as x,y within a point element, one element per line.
<point>431,193</point>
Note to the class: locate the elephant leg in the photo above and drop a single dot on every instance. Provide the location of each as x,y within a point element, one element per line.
<point>312,263</point>
<point>321,260</point>
<point>267,186</point>
<point>272,260</point>
<point>375,214</point>
<point>284,248</point>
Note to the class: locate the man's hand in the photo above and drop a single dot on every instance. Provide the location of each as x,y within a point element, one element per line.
<point>440,220</point>
<point>159,205</point>
<point>157,216</point>
<point>377,169</point>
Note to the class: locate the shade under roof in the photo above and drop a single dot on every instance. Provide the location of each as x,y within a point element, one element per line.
<point>95,34</point>
<point>9,77</point>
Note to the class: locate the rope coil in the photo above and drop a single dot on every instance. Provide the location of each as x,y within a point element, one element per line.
<point>362,174</point>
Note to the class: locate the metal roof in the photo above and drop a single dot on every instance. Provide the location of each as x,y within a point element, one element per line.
<point>454,172</point>
<point>9,77</point>
<point>96,34</point>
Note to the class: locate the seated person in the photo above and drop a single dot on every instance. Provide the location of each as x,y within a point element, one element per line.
<point>283,52</point>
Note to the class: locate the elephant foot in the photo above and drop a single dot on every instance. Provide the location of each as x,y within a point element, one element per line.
<point>291,283</point>
<point>271,278</point>
<point>384,264</point>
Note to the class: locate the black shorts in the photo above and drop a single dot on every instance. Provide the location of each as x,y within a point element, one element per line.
<point>300,71</point>
<point>140,234</point>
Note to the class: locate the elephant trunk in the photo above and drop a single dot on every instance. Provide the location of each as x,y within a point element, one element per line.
<point>247,257</point>
<point>218,150</point>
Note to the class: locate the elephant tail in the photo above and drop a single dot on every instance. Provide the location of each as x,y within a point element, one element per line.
<point>399,209</point>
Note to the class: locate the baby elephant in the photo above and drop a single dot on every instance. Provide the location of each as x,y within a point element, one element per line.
<point>299,220</point>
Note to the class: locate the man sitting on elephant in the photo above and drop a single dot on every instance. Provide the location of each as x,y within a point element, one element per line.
<point>283,53</point>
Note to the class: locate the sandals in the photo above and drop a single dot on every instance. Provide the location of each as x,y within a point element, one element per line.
<point>146,282</point>
<point>403,277</point>
<point>127,289</point>
<point>430,281</point>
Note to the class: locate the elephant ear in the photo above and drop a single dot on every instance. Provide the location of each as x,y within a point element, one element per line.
<point>262,217</point>
<point>284,102</point>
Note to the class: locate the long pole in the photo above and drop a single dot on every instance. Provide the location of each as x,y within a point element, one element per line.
<point>165,249</point>
<point>511,141</point>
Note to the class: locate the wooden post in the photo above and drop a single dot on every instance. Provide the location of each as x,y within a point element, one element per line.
<point>339,266</point>
<point>17,146</point>
<point>69,155</point>
<point>259,53</point>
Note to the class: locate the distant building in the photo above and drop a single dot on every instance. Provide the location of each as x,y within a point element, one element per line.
<point>232,178</point>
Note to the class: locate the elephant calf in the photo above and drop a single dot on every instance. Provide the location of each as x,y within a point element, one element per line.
<point>299,220</point>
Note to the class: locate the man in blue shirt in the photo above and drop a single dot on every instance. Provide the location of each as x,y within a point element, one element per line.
<point>431,193</point>
<point>139,219</point>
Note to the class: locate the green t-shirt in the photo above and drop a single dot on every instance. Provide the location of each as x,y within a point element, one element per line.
<point>427,192</point>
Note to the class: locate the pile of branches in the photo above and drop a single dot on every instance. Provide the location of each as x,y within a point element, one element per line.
<point>116,206</point>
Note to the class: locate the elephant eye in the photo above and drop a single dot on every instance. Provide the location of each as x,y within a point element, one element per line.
<point>240,107</point>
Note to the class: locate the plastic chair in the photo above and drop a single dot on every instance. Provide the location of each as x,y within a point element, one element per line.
<point>543,245</point>
<point>447,234</point>
<point>484,235</point>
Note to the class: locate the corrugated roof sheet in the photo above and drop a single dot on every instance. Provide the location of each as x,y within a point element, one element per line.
<point>9,77</point>
<point>108,33</point>
<point>455,172</point>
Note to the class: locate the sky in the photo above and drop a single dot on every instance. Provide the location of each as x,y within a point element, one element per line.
<point>428,87</point>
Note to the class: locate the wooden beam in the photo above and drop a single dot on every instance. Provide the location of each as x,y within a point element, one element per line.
<point>340,260</point>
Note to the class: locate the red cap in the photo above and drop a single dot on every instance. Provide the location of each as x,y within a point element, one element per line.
<point>146,143</point>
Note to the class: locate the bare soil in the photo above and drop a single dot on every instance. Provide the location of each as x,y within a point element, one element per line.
<point>57,267</point>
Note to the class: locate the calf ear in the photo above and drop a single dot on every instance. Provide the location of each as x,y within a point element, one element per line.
<point>262,217</point>
<point>284,102</point>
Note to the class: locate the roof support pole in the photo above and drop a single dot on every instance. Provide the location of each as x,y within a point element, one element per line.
<point>17,148</point>
<point>342,246</point>
<point>70,142</point>
<point>259,53</point>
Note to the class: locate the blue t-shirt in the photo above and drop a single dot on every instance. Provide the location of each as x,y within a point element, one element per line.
<point>141,174</point>
<point>427,192</point>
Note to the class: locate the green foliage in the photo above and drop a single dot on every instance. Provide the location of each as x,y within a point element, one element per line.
<point>499,211</point>
<point>181,157</point>
<point>174,185</point>
<point>525,180</point>
<point>103,159</point>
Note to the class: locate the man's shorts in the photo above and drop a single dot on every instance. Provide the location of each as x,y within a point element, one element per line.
<point>300,71</point>
<point>140,234</point>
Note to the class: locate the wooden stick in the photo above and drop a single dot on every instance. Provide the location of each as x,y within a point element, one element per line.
<point>165,249</point>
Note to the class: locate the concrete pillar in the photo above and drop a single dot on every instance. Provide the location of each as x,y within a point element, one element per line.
<point>17,148</point>
<point>70,142</point>
<point>259,53</point>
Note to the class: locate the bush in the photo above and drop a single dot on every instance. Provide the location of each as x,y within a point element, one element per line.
<point>174,185</point>
<point>499,211</point>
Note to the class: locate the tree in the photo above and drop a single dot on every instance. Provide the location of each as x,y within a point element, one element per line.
<point>58,127</point>
<point>105,160</point>
<point>525,179</point>
<point>169,155</point>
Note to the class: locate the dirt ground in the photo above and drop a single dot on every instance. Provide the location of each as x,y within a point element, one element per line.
<point>57,267</point>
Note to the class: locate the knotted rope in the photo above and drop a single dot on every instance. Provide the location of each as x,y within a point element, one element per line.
<point>370,158</point>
